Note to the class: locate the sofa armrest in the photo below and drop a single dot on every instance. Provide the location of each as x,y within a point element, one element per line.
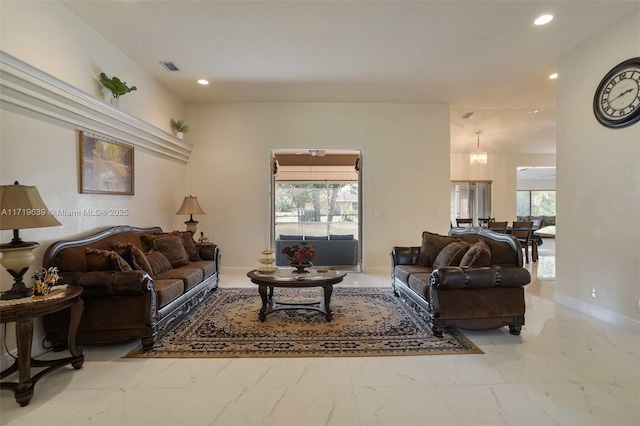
<point>101,284</point>
<point>404,256</point>
<point>453,277</point>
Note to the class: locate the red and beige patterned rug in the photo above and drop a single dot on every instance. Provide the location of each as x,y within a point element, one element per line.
<point>367,321</point>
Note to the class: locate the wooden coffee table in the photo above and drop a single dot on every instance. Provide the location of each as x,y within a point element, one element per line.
<point>288,279</point>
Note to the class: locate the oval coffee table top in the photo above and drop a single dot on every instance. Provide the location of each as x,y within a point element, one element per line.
<point>289,278</point>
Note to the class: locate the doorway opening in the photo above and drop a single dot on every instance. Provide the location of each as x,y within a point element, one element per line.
<point>316,198</point>
<point>470,200</point>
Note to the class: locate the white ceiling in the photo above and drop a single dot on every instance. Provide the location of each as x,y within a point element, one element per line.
<point>482,56</point>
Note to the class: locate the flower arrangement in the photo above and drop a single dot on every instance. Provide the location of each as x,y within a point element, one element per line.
<point>303,253</point>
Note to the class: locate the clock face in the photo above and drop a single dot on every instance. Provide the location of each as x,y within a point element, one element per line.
<point>617,99</point>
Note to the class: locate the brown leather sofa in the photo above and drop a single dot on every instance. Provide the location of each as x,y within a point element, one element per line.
<point>137,282</point>
<point>472,279</point>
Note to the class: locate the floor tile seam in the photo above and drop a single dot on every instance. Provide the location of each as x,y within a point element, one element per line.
<point>623,402</point>
<point>270,408</point>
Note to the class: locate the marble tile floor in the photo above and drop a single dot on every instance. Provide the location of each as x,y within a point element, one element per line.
<point>565,369</point>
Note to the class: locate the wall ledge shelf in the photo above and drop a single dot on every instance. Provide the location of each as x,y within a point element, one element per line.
<point>29,91</point>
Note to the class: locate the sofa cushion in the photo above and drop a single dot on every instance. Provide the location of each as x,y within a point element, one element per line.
<point>133,255</point>
<point>168,289</point>
<point>420,284</point>
<point>341,237</point>
<point>159,263</point>
<point>402,272</point>
<point>432,245</point>
<point>170,245</point>
<point>208,267</point>
<point>478,255</point>
<point>189,245</point>
<point>191,277</point>
<point>316,238</point>
<point>105,260</point>
<point>451,255</point>
<point>290,237</point>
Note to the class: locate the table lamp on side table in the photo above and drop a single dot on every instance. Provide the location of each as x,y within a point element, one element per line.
<point>190,206</point>
<point>21,207</point>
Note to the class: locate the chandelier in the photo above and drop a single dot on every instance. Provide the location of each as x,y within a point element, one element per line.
<point>477,156</point>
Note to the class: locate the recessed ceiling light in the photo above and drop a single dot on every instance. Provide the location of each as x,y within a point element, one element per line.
<point>544,19</point>
<point>203,81</point>
<point>553,76</point>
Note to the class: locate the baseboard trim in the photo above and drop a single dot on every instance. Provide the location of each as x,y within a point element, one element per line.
<point>378,270</point>
<point>602,314</point>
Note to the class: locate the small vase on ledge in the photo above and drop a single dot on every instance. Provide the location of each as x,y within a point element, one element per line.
<point>300,267</point>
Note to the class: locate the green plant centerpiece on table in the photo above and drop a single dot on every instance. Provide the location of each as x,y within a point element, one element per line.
<point>116,86</point>
<point>300,256</point>
<point>179,126</point>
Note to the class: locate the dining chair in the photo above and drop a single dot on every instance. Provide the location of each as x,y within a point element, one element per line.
<point>464,223</point>
<point>522,231</point>
<point>499,227</point>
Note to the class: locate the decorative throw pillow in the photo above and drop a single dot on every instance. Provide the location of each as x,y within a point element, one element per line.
<point>159,263</point>
<point>170,245</point>
<point>189,245</point>
<point>134,256</point>
<point>478,255</point>
<point>432,245</point>
<point>105,260</point>
<point>451,255</point>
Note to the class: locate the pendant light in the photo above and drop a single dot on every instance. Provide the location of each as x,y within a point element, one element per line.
<point>478,157</point>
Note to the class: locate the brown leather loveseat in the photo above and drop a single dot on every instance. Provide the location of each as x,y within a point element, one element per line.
<point>138,282</point>
<point>473,279</point>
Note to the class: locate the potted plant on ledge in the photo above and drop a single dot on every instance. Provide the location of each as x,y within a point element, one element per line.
<point>116,86</point>
<point>180,127</point>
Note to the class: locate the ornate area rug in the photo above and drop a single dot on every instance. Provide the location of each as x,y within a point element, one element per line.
<point>366,322</point>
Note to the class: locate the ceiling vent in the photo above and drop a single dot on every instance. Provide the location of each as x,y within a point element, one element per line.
<point>468,114</point>
<point>170,66</point>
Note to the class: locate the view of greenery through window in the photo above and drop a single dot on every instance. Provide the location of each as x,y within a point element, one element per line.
<point>316,208</point>
<point>536,203</point>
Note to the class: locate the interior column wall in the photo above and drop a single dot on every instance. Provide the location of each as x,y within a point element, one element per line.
<point>405,169</point>
<point>598,186</point>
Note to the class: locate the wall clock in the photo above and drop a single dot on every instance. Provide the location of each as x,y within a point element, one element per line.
<point>616,103</point>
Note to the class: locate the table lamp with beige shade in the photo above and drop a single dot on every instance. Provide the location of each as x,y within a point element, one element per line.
<point>21,207</point>
<point>190,206</point>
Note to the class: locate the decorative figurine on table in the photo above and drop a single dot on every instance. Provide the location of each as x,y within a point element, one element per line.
<point>45,279</point>
<point>202,239</point>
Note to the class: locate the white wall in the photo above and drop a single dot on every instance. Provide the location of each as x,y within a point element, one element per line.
<point>404,164</point>
<point>46,35</point>
<point>598,186</point>
<point>45,154</point>
<point>501,170</point>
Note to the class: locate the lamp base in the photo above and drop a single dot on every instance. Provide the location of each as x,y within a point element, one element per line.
<point>16,293</point>
<point>192,225</point>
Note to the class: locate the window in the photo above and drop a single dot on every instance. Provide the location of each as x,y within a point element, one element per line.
<point>316,209</point>
<point>536,203</point>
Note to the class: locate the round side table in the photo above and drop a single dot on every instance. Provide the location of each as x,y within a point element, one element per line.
<point>23,314</point>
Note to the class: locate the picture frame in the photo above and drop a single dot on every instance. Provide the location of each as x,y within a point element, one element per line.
<point>106,165</point>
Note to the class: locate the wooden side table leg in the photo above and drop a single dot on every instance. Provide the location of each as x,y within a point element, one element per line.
<point>74,323</point>
<point>24,336</point>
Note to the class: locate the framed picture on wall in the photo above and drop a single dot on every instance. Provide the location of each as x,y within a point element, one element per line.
<point>106,165</point>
